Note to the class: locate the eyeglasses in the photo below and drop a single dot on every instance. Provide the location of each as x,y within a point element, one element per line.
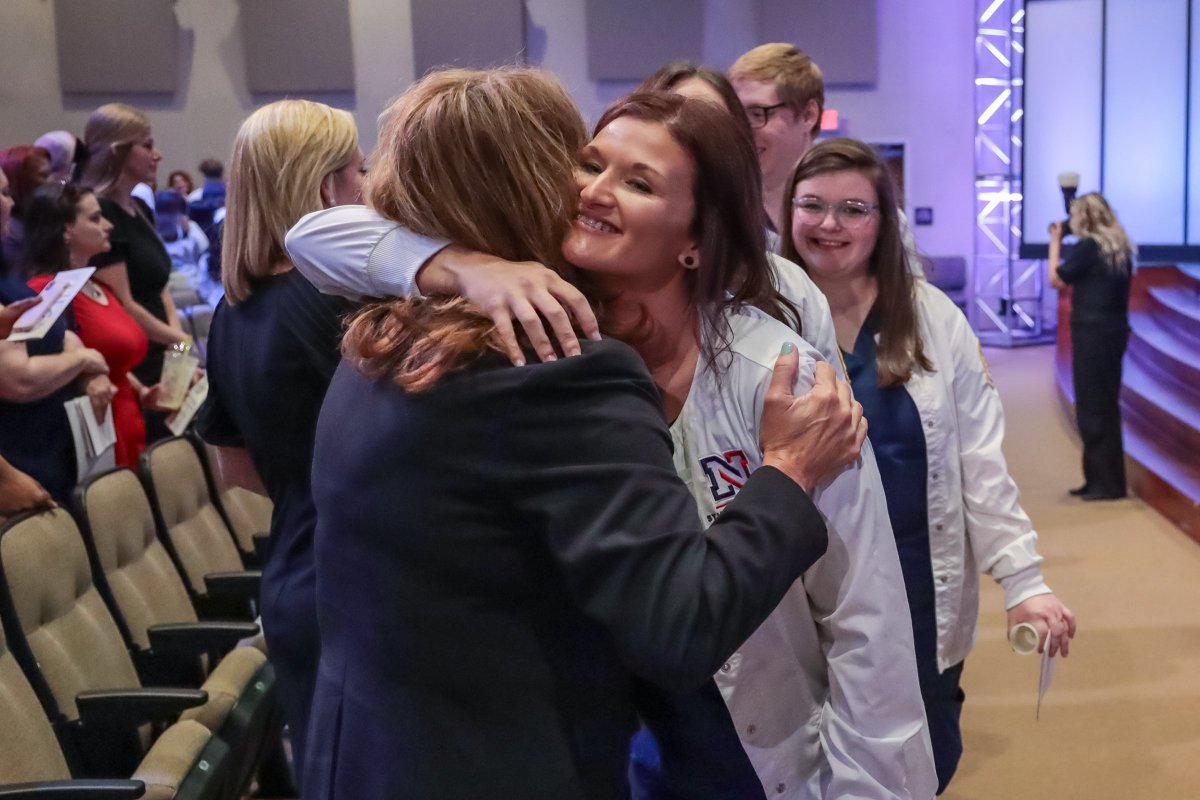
<point>759,116</point>
<point>850,214</point>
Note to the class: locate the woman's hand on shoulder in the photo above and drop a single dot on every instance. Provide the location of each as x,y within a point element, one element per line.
<point>524,291</point>
<point>1048,614</point>
<point>812,436</point>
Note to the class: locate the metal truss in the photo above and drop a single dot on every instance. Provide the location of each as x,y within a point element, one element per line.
<point>1008,307</point>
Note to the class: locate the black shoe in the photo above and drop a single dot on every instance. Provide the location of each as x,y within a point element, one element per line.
<point>1102,496</point>
<point>1078,491</point>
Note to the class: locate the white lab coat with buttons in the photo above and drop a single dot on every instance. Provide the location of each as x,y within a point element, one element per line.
<point>976,523</point>
<point>825,693</point>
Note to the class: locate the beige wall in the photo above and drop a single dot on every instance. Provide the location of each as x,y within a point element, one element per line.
<point>924,96</point>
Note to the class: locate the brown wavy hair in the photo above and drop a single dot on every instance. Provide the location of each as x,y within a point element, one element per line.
<point>728,224</point>
<point>485,159</point>
<point>900,349</point>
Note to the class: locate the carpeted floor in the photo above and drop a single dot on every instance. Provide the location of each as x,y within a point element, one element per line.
<point>1122,719</point>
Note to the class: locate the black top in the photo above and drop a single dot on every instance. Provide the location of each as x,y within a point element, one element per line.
<point>135,241</point>
<point>1099,292</point>
<point>35,437</point>
<point>270,360</point>
<point>499,556</point>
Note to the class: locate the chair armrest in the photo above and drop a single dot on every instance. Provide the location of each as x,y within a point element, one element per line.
<point>199,638</point>
<point>242,585</point>
<point>261,543</point>
<point>129,708</point>
<point>74,790</point>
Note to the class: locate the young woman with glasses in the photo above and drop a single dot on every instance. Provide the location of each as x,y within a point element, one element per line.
<point>936,425</point>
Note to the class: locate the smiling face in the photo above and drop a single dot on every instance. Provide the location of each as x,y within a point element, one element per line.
<point>829,249</point>
<point>785,137</point>
<point>635,207</point>
<point>344,186</point>
<point>88,234</point>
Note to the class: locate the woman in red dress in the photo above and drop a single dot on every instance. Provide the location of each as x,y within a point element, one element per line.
<point>64,229</point>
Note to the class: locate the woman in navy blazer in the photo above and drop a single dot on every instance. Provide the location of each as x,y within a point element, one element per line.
<point>502,553</point>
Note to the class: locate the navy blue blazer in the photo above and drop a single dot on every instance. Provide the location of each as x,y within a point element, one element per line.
<point>500,559</point>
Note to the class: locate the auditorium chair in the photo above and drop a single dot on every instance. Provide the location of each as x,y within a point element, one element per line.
<point>186,763</point>
<point>151,606</point>
<point>948,273</point>
<point>61,632</point>
<point>247,513</point>
<point>195,532</point>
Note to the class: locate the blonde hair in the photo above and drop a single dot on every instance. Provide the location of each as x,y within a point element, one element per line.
<point>797,78</point>
<point>1093,218</point>
<point>112,129</point>
<point>283,152</point>
<point>486,159</point>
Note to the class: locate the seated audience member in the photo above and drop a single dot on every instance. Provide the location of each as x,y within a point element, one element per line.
<point>181,181</point>
<point>596,567</point>
<point>935,422</point>
<point>206,205</point>
<point>27,167</point>
<point>36,379</point>
<point>185,242</point>
<point>65,230</point>
<point>272,350</point>
<point>65,149</point>
<point>121,154</point>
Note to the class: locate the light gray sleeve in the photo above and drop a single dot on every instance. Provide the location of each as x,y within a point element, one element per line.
<point>351,251</point>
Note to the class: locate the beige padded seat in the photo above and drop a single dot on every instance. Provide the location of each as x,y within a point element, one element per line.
<point>145,585</point>
<point>68,628</point>
<point>29,750</point>
<point>187,756</point>
<point>202,541</point>
<point>183,753</point>
<point>249,515</point>
<point>147,591</point>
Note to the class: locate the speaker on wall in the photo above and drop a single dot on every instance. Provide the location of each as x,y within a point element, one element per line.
<point>89,32</point>
<point>297,46</point>
<point>629,39</point>
<point>467,33</point>
<point>842,37</point>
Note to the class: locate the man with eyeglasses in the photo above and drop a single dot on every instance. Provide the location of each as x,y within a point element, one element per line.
<point>783,91</point>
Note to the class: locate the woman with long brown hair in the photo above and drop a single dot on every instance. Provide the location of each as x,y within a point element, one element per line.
<point>518,534</point>
<point>936,425</point>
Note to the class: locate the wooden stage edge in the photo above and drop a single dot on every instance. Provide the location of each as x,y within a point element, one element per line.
<point>1160,392</point>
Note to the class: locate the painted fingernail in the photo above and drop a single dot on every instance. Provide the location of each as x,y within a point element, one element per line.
<point>787,348</point>
<point>520,362</point>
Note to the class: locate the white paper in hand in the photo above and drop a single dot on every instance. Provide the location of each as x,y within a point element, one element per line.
<point>53,301</point>
<point>1045,677</point>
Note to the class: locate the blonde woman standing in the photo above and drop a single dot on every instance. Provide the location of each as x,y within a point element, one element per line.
<point>121,154</point>
<point>273,348</point>
<point>1098,270</point>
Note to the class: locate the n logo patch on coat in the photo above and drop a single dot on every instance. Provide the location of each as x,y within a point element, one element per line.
<point>727,474</point>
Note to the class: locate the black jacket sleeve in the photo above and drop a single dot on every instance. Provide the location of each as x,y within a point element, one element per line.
<point>1083,258</point>
<point>624,529</point>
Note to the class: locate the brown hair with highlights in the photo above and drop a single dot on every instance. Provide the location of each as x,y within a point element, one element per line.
<point>485,159</point>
